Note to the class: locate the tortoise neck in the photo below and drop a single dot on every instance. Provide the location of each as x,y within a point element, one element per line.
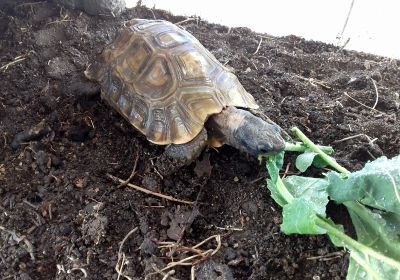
<point>222,127</point>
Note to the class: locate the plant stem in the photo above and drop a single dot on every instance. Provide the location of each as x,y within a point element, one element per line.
<point>283,190</point>
<point>300,147</point>
<point>352,244</point>
<point>329,160</point>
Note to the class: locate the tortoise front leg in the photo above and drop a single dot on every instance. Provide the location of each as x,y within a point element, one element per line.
<point>177,156</point>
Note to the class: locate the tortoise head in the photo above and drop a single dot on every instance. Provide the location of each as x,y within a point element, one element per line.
<point>256,136</point>
<point>247,132</point>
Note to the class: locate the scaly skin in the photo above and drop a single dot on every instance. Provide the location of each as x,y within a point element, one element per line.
<point>246,132</point>
<point>235,127</point>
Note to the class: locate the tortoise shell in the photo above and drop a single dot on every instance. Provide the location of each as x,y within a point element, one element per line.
<point>164,82</point>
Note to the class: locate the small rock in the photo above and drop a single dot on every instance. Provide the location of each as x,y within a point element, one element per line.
<point>235,262</point>
<point>94,227</point>
<point>148,246</point>
<point>43,160</point>
<point>212,270</point>
<point>151,181</point>
<point>230,254</point>
<point>55,161</point>
<point>58,67</point>
<point>34,133</point>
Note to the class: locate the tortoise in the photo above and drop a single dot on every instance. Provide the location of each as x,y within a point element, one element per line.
<point>172,89</point>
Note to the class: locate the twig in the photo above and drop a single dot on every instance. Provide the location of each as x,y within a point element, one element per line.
<point>217,238</point>
<point>348,138</point>
<point>30,204</point>
<point>152,12</point>
<point>190,261</point>
<point>286,170</point>
<point>160,195</point>
<point>186,20</point>
<point>258,47</point>
<point>132,173</point>
<point>30,4</point>
<point>362,104</point>
<point>155,169</point>
<point>328,256</point>
<point>257,180</point>
<point>5,67</point>
<point>228,228</point>
<point>376,92</point>
<point>120,264</point>
<point>169,273</point>
<point>59,21</point>
<point>344,45</point>
<point>346,21</point>
<point>266,37</point>
<point>313,82</point>
<point>18,239</point>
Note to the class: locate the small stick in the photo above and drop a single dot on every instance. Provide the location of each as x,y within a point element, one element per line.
<point>257,180</point>
<point>155,170</point>
<point>362,104</point>
<point>228,228</point>
<point>333,254</point>
<point>258,47</point>
<point>160,195</point>
<point>376,92</point>
<point>118,267</point>
<point>50,212</point>
<point>132,173</point>
<point>5,67</point>
<point>313,81</point>
<point>30,204</point>
<point>152,12</point>
<point>168,274</point>
<point>266,37</point>
<point>286,170</point>
<point>346,21</point>
<point>348,138</point>
<point>186,20</point>
<point>59,21</point>
<point>30,4</point>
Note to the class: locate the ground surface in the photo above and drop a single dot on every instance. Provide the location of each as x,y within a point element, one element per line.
<point>58,206</point>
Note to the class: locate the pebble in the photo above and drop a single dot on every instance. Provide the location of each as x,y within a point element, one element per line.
<point>230,254</point>
<point>34,133</point>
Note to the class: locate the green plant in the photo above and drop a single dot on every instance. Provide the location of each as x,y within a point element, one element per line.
<point>371,195</point>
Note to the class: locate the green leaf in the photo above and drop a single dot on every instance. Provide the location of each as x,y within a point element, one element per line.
<point>308,158</point>
<point>376,185</point>
<point>272,167</point>
<point>305,160</point>
<point>374,230</point>
<point>319,162</point>
<point>274,163</point>
<point>275,194</point>
<point>393,221</point>
<point>299,217</point>
<point>381,259</point>
<point>311,190</point>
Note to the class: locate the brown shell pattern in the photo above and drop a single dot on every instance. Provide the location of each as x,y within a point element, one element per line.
<point>164,82</point>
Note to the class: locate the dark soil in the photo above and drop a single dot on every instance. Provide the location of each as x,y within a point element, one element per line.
<point>59,140</point>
